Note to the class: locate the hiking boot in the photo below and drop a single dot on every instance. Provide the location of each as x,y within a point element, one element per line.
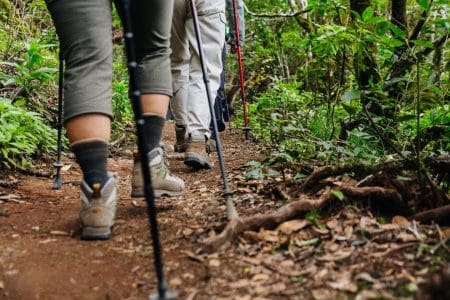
<point>211,146</point>
<point>98,208</point>
<point>180,134</point>
<point>196,155</point>
<point>163,182</point>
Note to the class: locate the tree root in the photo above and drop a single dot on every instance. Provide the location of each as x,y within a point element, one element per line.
<point>37,173</point>
<point>391,198</point>
<point>9,184</point>
<point>440,215</point>
<point>284,213</point>
<point>359,169</point>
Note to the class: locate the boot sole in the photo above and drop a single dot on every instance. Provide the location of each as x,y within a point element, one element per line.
<point>196,163</point>
<point>96,233</point>
<point>139,193</point>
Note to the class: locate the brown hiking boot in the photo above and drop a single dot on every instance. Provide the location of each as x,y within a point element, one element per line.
<point>211,146</point>
<point>180,134</point>
<point>163,182</point>
<point>196,155</point>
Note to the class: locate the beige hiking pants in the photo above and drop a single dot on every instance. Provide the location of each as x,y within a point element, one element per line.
<point>190,104</point>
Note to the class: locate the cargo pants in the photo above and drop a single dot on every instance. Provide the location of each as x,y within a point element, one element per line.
<point>84,29</point>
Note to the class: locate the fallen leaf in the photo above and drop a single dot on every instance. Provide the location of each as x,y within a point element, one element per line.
<point>401,221</point>
<point>268,235</point>
<point>365,277</point>
<point>292,226</point>
<point>175,282</point>
<point>187,232</point>
<point>214,263</point>
<point>336,256</point>
<point>2,285</point>
<point>332,224</point>
<point>344,283</point>
<point>278,287</point>
<point>260,277</point>
<point>324,294</point>
<point>240,284</point>
<point>251,260</point>
<point>287,264</point>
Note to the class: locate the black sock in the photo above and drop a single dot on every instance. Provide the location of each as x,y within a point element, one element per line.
<point>92,157</point>
<point>153,128</point>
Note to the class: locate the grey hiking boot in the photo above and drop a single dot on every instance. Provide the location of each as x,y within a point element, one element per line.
<point>180,134</point>
<point>196,155</point>
<point>98,208</point>
<point>163,182</point>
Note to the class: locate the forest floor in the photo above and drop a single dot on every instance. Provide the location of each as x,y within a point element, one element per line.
<point>343,254</point>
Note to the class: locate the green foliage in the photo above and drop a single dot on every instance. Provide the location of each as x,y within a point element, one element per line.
<point>31,72</point>
<point>304,73</point>
<point>23,135</point>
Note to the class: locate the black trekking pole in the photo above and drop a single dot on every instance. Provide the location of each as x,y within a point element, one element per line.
<point>241,70</point>
<point>59,125</point>
<point>162,293</point>
<point>231,210</point>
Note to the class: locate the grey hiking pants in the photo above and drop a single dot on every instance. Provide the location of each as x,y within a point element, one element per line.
<point>85,34</point>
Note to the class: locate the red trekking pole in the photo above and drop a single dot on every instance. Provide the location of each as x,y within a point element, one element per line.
<point>241,69</point>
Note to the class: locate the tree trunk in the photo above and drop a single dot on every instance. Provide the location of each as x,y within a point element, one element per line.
<point>365,65</point>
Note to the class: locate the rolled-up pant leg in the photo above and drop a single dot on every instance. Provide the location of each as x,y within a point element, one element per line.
<point>151,26</point>
<point>212,28</point>
<point>84,31</point>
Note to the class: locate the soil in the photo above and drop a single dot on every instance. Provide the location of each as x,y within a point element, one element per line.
<point>42,257</point>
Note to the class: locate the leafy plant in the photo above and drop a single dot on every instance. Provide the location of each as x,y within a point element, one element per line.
<point>23,135</point>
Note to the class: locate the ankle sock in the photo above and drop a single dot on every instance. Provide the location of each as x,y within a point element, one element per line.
<point>153,128</point>
<point>92,157</point>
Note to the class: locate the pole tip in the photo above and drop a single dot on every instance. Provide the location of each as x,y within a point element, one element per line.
<point>168,295</point>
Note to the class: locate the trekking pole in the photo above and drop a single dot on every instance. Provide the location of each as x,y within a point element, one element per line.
<point>222,79</point>
<point>241,70</point>
<point>231,210</point>
<point>59,125</point>
<point>162,293</point>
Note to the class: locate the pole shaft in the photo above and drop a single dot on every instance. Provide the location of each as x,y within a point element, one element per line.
<point>137,107</point>
<point>240,63</point>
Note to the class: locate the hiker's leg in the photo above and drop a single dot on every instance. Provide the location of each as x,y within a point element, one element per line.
<point>84,31</point>
<point>180,58</point>
<point>152,23</point>
<point>212,28</point>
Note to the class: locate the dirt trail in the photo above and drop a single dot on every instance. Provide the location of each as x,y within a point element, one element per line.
<point>41,256</point>
<point>341,256</point>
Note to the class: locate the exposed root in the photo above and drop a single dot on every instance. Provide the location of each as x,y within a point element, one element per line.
<point>9,184</point>
<point>358,168</point>
<point>390,198</point>
<point>267,221</point>
<point>440,215</point>
<point>37,173</point>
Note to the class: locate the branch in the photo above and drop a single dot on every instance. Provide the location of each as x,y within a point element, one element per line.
<point>420,24</point>
<point>274,16</point>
